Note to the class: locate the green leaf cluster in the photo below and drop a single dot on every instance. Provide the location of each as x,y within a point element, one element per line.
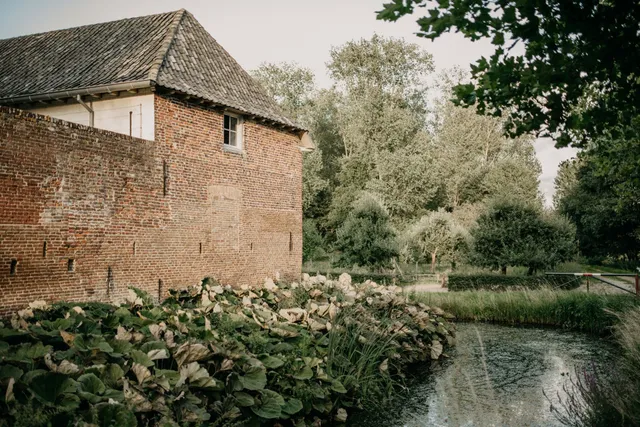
<point>209,355</point>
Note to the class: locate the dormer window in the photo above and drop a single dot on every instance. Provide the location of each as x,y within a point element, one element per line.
<point>232,132</point>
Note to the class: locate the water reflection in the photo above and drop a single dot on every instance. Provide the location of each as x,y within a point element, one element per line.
<point>495,377</point>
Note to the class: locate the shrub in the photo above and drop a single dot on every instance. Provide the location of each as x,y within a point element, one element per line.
<point>366,237</point>
<point>496,282</point>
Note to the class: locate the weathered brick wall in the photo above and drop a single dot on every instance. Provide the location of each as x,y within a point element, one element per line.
<point>131,212</point>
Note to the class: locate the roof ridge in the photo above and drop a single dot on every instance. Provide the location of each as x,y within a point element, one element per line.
<point>172,30</point>
<point>88,25</point>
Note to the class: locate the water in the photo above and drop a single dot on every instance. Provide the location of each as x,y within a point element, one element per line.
<point>495,377</point>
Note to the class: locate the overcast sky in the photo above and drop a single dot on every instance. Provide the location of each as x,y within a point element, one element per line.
<point>256,31</point>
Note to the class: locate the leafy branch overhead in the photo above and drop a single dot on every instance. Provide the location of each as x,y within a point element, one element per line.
<point>566,69</point>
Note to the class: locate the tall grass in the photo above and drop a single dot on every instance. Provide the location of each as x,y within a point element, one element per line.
<point>591,313</point>
<point>355,353</point>
<point>614,400</point>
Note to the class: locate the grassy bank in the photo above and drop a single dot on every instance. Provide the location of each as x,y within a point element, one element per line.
<point>573,310</point>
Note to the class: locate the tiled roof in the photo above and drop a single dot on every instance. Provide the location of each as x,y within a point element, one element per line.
<point>171,50</point>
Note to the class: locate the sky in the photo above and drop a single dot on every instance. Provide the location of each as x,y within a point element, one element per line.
<point>257,31</point>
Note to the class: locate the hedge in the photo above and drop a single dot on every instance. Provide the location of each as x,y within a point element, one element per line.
<point>495,282</point>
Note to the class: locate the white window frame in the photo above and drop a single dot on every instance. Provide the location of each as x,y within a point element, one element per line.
<point>239,146</point>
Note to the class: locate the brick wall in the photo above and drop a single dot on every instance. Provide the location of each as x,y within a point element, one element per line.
<point>156,215</point>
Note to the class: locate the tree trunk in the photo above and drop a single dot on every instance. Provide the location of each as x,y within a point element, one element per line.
<point>531,271</point>
<point>503,269</point>
<point>433,262</point>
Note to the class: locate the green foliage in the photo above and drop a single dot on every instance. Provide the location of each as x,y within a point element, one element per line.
<point>436,237</point>
<point>366,237</point>
<point>514,233</point>
<point>211,355</point>
<point>607,225</point>
<point>494,282</point>
<point>289,84</point>
<point>566,309</point>
<point>569,78</point>
<point>312,241</point>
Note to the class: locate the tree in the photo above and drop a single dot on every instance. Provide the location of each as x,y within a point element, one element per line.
<point>435,237</point>
<point>476,162</point>
<point>366,237</point>
<point>312,241</point>
<point>565,69</point>
<point>291,86</point>
<point>607,225</point>
<point>515,233</point>
<point>565,181</point>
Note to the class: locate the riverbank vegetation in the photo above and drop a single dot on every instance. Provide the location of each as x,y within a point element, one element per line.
<point>302,354</point>
<point>587,312</point>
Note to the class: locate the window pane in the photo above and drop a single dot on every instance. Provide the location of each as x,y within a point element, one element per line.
<point>226,122</point>
<point>226,136</point>
<point>233,122</point>
<point>232,138</point>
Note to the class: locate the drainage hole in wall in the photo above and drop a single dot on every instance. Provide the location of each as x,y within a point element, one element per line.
<point>13,269</point>
<point>71,265</point>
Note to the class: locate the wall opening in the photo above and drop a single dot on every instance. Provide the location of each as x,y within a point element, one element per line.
<point>165,177</point>
<point>251,246</point>
<point>110,281</point>
<point>130,123</point>
<point>135,250</point>
<point>290,241</point>
<point>200,248</point>
<point>71,265</point>
<point>13,268</point>
<point>44,249</point>
<point>160,289</point>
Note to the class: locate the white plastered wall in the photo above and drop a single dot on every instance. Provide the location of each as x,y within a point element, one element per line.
<point>112,114</point>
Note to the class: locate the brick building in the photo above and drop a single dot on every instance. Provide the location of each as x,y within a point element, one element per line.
<point>139,153</point>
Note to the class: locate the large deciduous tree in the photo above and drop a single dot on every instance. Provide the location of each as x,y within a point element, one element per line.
<point>566,69</point>
<point>513,233</point>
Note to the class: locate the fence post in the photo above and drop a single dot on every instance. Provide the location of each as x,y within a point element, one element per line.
<point>587,284</point>
<point>637,286</point>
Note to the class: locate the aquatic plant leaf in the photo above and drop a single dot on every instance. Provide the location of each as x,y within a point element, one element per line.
<point>67,337</point>
<point>50,387</point>
<point>338,387</point>
<point>341,415</point>
<point>141,372</point>
<point>254,378</point>
<point>303,373</point>
<point>111,374</point>
<point>28,352</point>
<point>158,354</point>
<point>91,384</point>
<point>244,399</point>
<point>436,349</point>
<point>292,406</point>
<point>139,357</point>
<point>268,405</point>
<point>10,371</point>
<point>271,362</point>
<point>191,352</point>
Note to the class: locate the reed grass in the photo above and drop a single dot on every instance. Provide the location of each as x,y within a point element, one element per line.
<point>593,313</point>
